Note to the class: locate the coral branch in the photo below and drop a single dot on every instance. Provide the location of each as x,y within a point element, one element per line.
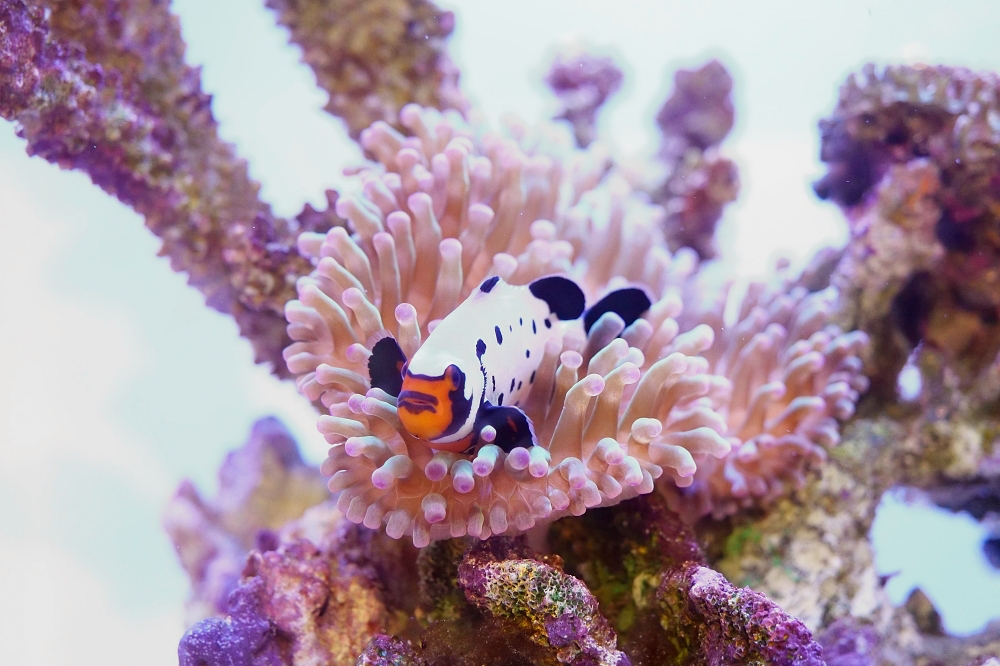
<point>699,182</point>
<point>374,58</point>
<point>103,88</point>
<point>583,82</point>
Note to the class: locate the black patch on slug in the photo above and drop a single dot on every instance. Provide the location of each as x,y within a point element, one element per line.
<point>513,426</point>
<point>629,304</point>
<point>564,298</point>
<point>488,284</point>
<point>385,366</point>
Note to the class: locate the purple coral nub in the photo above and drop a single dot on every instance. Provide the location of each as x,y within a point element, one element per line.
<point>244,638</point>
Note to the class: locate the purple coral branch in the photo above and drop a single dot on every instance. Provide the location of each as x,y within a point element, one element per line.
<point>103,88</point>
<point>375,57</point>
<point>583,82</point>
<point>693,121</point>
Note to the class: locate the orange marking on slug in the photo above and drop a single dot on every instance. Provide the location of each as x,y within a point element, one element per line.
<point>424,405</point>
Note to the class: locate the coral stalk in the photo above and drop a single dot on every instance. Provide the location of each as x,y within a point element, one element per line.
<point>103,88</point>
<point>375,57</point>
<point>699,181</point>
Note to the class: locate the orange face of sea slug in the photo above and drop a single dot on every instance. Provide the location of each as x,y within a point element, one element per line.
<point>426,405</point>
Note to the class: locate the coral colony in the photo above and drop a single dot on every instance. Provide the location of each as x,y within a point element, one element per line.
<point>552,438</point>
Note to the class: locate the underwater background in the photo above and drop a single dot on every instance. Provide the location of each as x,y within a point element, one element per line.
<point>118,382</point>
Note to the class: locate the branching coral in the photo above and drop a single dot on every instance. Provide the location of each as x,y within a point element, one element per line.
<point>792,377</point>
<point>699,181</point>
<point>443,213</point>
<point>103,88</point>
<point>373,58</point>
<point>583,82</point>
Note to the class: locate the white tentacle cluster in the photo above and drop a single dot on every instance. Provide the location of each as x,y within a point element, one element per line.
<point>792,376</point>
<point>613,410</point>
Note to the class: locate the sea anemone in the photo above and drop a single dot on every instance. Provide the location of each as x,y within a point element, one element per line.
<point>790,376</point>
<point>445,209</point>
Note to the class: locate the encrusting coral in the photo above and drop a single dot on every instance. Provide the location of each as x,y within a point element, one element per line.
<point>913,160</point>
<point>299,603</point>
<point>262,486</point>
<point>442,214</point>
<point>497,601</point>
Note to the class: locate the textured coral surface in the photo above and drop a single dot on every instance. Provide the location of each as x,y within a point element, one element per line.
<point>103,88</point>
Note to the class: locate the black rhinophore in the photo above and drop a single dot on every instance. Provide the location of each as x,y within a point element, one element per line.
<point>629,303</point>
<point>385,366</point>
<point>563,296</point>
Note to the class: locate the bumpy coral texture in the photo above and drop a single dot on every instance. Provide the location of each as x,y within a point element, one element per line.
<point>550,607</point>
<point>791,377</point>
<point>262,486</point>
<point>103,87</point>
<point>646,568</point>
<point>376,56</point>
<point>914,157</point>
<point>245,637</point>
<point>740,625</point>
<point>295,605</point>
<point>442,213</point>
<point>388,651</point>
